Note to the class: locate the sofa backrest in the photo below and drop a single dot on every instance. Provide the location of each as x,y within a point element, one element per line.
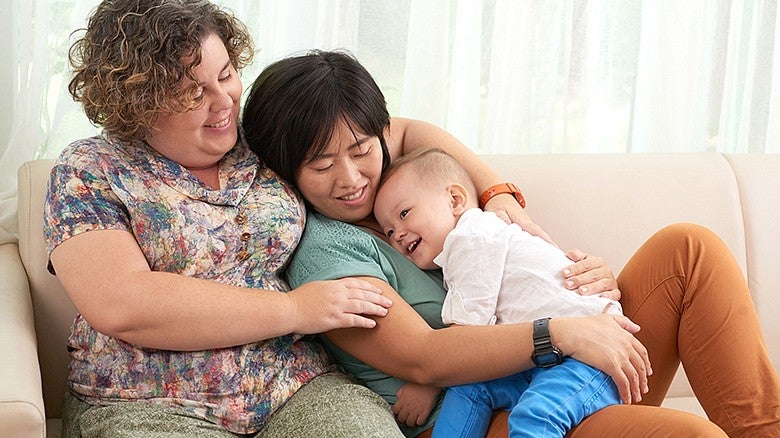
<point>609,204</point>
<point>53,310</point>
<point>758,179</point>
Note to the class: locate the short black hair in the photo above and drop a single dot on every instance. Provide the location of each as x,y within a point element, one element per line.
<point>295,103</point>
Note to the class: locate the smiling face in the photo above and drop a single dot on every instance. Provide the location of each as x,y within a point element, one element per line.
<point>341,182</point>
<point>417,215</point>
<point>200,137</point>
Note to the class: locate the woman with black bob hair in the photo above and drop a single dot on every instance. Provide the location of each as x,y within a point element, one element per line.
<point>320,121</point>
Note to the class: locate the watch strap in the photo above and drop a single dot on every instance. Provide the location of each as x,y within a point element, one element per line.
<point>500,189</point>
<point>544,350</point>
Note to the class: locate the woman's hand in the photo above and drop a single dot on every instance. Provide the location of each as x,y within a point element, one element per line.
<point>606,342</point>
<point>507,208</point>
<point>320,306</point>
<point>590,275</point>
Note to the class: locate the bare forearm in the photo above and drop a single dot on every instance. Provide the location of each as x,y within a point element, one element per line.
<point>404,346</point>
<point>174,312</point>
<point>465,354</point>
<point>111,285</point>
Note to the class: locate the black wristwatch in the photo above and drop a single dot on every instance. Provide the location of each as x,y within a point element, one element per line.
<point>545,355</point>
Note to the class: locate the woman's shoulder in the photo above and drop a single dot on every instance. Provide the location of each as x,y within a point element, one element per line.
<point>88,153</point>
<point>82,149</point>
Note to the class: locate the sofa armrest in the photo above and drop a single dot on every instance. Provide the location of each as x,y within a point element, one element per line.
<point>21,396</point>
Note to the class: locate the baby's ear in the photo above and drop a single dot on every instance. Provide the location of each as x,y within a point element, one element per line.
<point>459,198</point>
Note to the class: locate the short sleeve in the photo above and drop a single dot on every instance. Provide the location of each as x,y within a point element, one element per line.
<point>79,198</point>
<point>331,249</point>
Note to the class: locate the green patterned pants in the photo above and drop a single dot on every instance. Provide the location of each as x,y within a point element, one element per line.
<point>329,406</point>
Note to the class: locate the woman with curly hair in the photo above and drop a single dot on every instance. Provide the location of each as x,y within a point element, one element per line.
<point>169,236</point>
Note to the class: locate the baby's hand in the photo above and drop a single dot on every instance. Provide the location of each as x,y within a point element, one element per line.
<point>415,403</point>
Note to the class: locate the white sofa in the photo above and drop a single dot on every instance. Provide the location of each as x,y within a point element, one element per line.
<point>605,204</point>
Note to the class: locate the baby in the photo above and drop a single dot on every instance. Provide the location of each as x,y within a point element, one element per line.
<point>495,273</point>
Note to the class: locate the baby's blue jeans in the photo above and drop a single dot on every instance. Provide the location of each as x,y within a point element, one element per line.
<point>543,402</point>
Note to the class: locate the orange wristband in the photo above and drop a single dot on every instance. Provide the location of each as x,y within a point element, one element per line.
<point>499,189</point>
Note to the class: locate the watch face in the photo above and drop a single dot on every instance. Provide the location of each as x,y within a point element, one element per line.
<point>547,359</point>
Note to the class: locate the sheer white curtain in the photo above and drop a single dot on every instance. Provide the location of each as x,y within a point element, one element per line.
<point>531,76</point>
<point>38,114</point>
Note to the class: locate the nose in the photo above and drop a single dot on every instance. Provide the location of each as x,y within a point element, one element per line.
<point>349,174</point>
<point>223,100</point>
<point>399,235</point>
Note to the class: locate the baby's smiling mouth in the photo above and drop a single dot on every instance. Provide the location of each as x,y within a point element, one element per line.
<point>412,246</point>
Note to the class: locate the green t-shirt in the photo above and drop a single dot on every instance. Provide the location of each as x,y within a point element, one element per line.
<point>331,249</point>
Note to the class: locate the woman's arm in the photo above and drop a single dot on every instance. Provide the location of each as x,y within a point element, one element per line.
<point>110,283</point>
<point>404,346</point>
<point>406,135</point>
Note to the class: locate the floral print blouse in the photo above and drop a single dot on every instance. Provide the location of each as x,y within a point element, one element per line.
<point>242,234</point>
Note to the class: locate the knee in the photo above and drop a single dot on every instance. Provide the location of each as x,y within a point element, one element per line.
<point>639,420</point>
<point>689,238</point>
<point>697,427</point>
<point>686,232</point>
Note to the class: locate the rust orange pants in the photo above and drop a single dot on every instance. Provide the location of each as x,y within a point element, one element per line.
<point>686,291</point>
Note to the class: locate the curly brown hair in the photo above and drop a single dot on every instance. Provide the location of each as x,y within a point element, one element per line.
<point>129,65</point>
